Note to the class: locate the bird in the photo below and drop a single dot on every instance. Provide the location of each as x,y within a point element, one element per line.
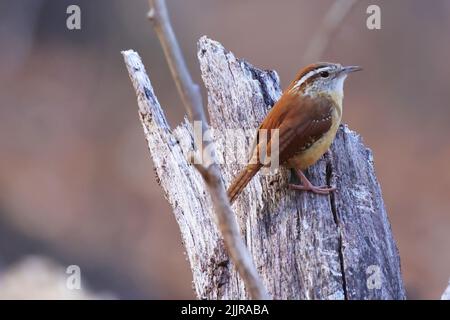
<point>306,118</point>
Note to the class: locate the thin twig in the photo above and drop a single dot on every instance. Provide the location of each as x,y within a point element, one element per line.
<point>191,97</point>
<point>327,29</point>
<point>188,90</point>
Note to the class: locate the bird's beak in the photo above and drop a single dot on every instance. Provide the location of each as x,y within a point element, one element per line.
<point>349,69</point>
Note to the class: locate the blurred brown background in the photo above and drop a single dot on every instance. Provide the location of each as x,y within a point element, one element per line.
<point>76,179</point>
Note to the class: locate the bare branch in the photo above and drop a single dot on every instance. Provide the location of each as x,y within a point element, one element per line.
<point>327,29</point>
<point>191,97</point>
<point>188,90</point>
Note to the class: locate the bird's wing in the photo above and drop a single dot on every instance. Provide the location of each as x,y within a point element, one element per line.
<point>301,122</point>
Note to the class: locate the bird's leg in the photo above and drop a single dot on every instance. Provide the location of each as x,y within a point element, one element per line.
<point>306,185</point>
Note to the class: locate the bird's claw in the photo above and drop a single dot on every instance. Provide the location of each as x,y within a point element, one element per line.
<point>318,190</point>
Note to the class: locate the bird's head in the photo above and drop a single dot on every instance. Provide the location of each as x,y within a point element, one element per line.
<point>321,78</point>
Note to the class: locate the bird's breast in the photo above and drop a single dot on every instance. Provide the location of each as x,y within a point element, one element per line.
<point>307,158</point>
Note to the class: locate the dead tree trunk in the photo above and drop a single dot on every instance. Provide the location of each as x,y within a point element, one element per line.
<point>305,246</point>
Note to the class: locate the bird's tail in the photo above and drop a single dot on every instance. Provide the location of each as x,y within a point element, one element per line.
<point>241,181</point>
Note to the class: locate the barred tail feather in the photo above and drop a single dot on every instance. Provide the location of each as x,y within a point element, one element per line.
<point>241,181</point>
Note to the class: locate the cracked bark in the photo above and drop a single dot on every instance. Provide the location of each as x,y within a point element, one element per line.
<point>305,246</point>
<point>330,182</point>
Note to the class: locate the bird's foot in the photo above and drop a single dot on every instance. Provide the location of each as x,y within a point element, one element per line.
<point>318,190</point>
<point>308,186</point>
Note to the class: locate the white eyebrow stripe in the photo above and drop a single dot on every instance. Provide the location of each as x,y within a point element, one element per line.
<point>310,74</point>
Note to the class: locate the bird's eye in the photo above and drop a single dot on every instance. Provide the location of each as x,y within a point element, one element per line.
<point>324,74</point>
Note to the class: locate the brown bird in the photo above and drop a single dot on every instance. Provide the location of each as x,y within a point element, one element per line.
<point>307,117</point>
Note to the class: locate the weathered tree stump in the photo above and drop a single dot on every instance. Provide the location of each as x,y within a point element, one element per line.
<point>305,246</point>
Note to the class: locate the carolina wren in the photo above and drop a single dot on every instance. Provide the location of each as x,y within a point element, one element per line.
<point>307,116</point>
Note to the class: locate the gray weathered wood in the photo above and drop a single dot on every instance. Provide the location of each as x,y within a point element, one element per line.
<point>446,294</point>
<point>305,246</point>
